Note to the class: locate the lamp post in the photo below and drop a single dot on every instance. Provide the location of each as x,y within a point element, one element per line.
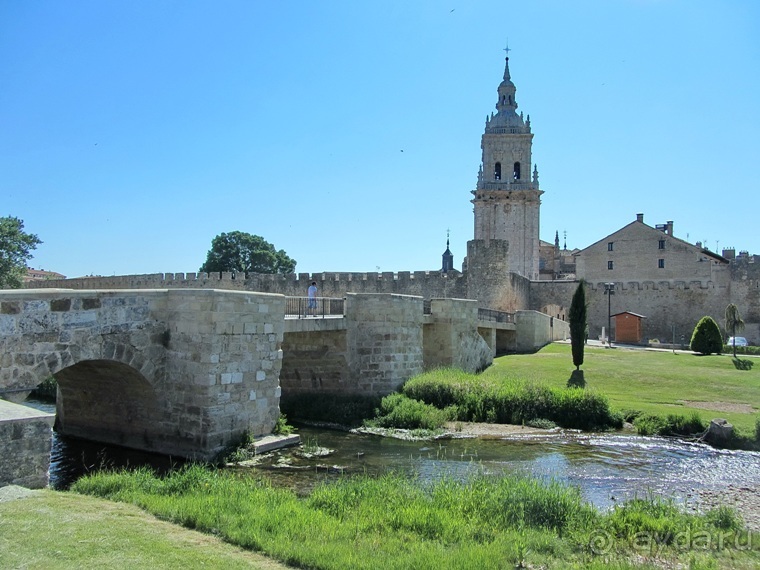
<point>609,290</point>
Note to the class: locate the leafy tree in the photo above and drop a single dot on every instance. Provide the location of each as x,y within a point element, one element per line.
<point>577,318</point>
<point>15,250</point>
<point>734,322</point>
<point>706,337</point>
<point>241,252</point>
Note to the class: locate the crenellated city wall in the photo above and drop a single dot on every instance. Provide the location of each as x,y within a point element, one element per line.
<point>427,284</point>
<point>670,307</point>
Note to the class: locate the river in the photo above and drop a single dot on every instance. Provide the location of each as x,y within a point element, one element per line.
<point>606,467</point>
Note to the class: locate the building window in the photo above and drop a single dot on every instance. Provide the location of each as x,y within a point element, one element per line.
<point>609,245</point>
<point>609,265</point>
<point>661,245</point>
<point>661,263</point>
<point>497,171</point>
<point>516,171</point>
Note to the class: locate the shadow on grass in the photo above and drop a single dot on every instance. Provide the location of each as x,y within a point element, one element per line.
<point>742,364</point>
<point>576,380</point>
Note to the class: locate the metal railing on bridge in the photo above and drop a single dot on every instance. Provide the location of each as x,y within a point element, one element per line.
<point>321,307</point>
<point>495,316</point>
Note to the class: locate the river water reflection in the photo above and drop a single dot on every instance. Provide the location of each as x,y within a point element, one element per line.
<point>605,467</point>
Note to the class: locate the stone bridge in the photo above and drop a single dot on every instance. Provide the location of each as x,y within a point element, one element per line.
<point>187,372</point>
<point>177,372</point>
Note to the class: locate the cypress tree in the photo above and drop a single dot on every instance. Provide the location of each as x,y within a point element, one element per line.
<point>577,318</point>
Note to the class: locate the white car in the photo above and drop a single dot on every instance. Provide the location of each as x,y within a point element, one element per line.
<point>740,341</point>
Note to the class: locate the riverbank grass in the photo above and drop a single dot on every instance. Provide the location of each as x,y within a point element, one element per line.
<point>396,523</point>
<point>650,382</point>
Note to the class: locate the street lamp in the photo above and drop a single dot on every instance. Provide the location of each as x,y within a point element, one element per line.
<point>609,290</point>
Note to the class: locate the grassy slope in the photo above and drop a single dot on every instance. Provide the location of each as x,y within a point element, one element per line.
<point>53,530</point>
<point>654,382</point>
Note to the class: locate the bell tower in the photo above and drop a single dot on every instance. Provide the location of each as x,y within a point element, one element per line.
<point>507,198</point>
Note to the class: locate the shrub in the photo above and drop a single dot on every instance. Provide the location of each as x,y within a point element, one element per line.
<point>46,390</point>
<point>399,411</point>
<point>511,401</point>
<point>706,338</point>
<point>282,427</point>
<point>647,424</point>
<point>754,350</point>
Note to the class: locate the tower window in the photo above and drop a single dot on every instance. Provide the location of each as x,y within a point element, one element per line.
<point>661,263</point>
<point>661,245</point>
<point>609,245</point>
<point>497,171</point>
<point>609,265</point>
<point>516,171</point>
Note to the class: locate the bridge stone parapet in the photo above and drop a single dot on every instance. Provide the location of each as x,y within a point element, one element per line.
<point>179,372</point>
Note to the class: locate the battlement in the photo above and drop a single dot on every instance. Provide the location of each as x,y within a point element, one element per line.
<point>424,283</point>
<point>653,285</point>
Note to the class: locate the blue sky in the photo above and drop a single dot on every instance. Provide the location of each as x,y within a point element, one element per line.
<point>348,133</point>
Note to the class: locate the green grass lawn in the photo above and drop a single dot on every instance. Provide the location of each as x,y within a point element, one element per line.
<point>52,530</point>
<point>651,381</point>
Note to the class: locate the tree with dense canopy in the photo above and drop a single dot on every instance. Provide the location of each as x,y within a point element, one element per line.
<point>577,317</point>
<point>241,252</point>
<point>734,322</point>
<point>15,250</point>
<point>706,338</point>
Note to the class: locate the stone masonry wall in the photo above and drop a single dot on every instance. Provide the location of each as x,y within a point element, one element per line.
<point>664,305</point>
<point>315,361</point>
<point>494,287</point>
<point>25,441</point>
<point>535,330</point>
<point>181,372</point>
<point>383,340</point>
<point>452,339</point>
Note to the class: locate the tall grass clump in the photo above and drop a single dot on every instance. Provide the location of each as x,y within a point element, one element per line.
<point>672,424</point>
<point>399,411</point>
<point>511,401</point>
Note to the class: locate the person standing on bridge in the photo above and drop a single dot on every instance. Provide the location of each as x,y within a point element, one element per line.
<point>312,294</point>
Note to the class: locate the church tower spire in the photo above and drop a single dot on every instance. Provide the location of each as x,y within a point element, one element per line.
<point>507,199</point>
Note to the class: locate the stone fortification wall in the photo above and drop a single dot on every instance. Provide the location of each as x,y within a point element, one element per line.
<point>427,284</point>
<point>535,330</point>
<point>664,304</point>
<point>489,280</point>
<point>25,438</point>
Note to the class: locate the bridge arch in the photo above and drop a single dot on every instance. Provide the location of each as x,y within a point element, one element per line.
<point>108,401</point>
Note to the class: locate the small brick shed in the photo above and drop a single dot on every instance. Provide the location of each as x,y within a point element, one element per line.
<point>628,327</point>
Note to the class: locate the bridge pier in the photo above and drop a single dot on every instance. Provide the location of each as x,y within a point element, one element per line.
<point>25,439</point>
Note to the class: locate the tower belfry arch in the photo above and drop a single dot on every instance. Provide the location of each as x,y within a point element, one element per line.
<point>507,199</point>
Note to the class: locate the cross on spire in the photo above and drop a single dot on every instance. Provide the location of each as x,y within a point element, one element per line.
<point>506,49</point>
